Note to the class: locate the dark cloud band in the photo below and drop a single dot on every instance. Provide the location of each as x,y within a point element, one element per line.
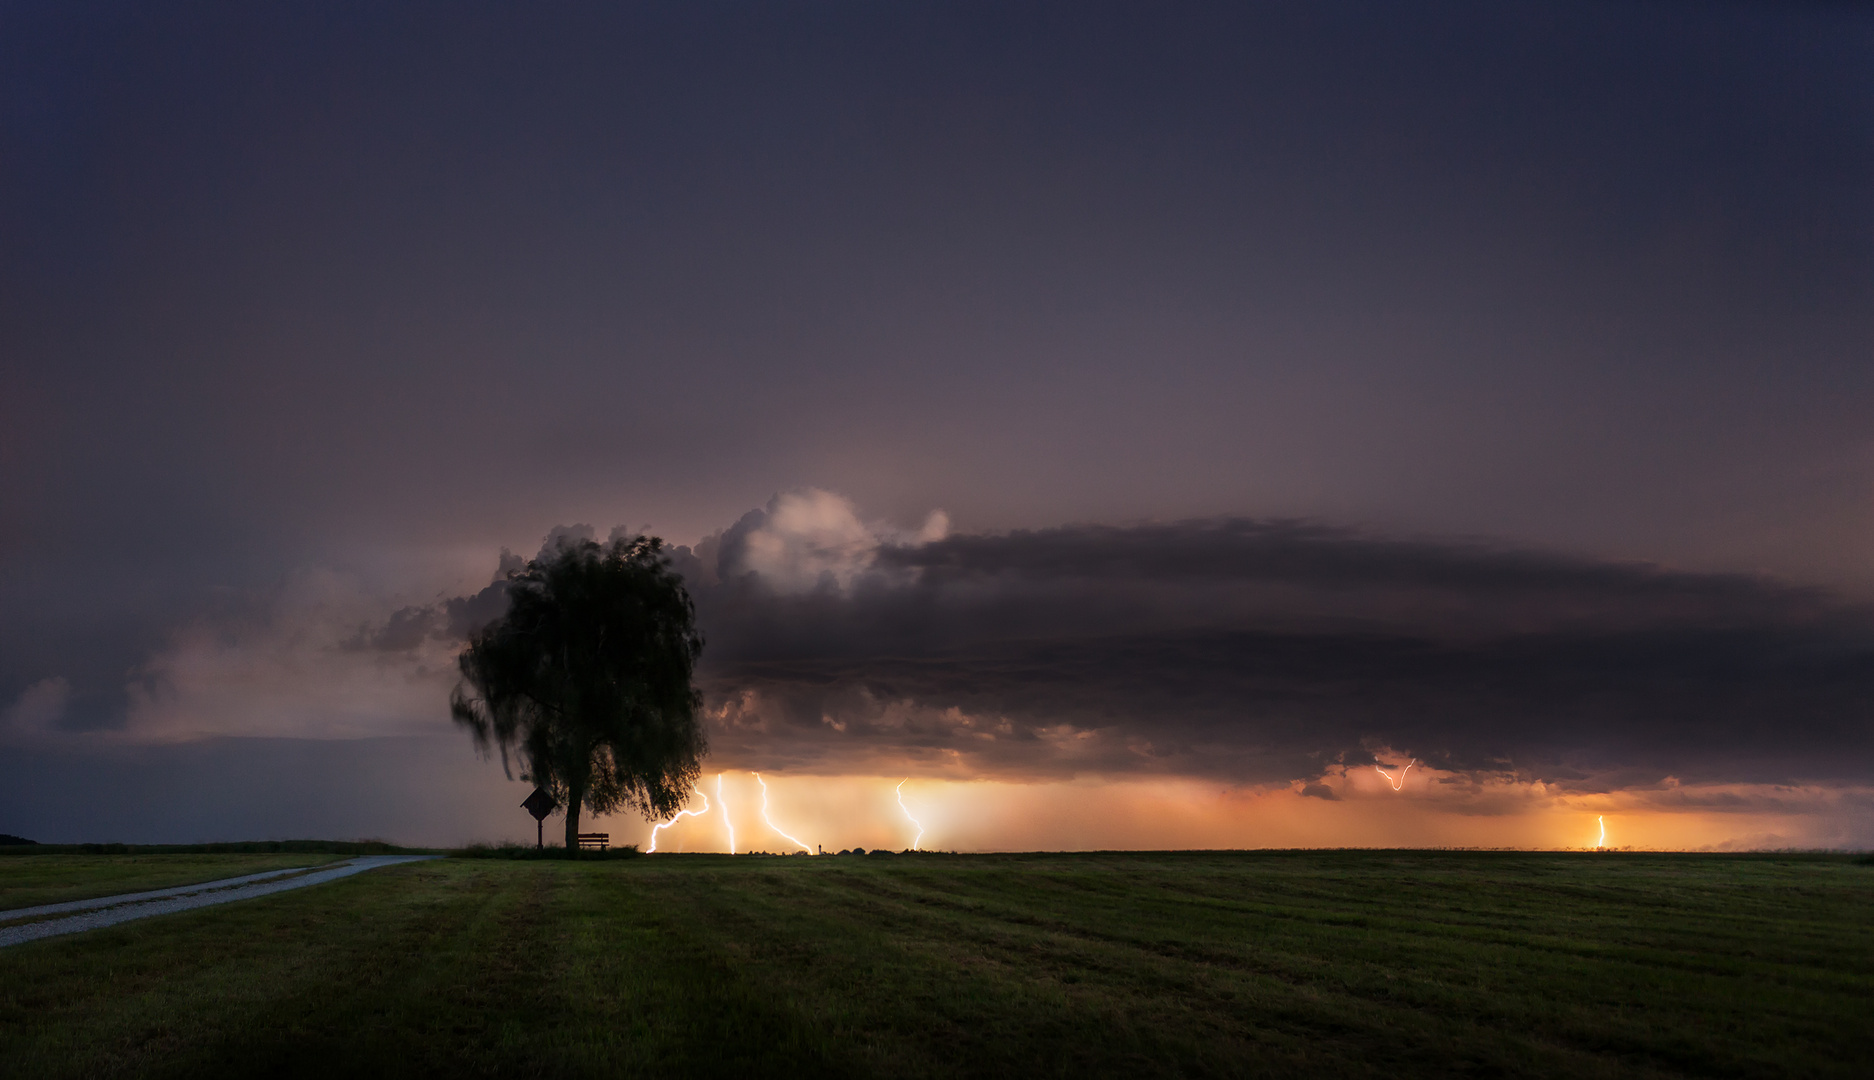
<point>1267,650</point>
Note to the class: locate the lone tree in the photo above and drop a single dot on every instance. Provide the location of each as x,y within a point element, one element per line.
<point>586,680</point>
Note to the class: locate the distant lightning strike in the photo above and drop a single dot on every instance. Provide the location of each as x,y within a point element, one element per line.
<point>725,813</point>
<point>1399,783</point>
<point>681,814</point>
<point>907,814</point>
<point>769,820</point>
<point>1602,842</point>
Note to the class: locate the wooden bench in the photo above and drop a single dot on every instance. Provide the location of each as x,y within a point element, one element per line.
<point>594,841</point>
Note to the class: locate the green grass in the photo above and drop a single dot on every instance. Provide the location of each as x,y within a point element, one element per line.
<point>53,879</point>
<point>1332,964</point>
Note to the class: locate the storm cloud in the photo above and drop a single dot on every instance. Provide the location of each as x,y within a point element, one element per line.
<point>1261,651</point>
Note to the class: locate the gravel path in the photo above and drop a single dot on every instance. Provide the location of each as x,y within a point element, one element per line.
<point>111,910</point>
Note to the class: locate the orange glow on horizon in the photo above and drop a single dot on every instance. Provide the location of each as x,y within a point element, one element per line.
<point>1346,808</point>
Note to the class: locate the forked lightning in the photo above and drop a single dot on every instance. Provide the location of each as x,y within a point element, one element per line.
<point>1399,783</point>
<point>681,814</point>
<point>769,820</point>
<point>907,814</point>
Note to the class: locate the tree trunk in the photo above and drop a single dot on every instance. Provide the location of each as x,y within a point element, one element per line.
<point>573,798</point>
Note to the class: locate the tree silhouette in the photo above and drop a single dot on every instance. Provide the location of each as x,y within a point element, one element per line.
<point>587,680</point>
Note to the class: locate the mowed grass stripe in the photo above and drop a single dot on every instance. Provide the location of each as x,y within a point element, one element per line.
<point>1166,981</point>
<point>1308,1008</point>
<point>1313,968</point>
<point>934,1001</point>
<point>1324,1001</point>
<point>1343,964</point>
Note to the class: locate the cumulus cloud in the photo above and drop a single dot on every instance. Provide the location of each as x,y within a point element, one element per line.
<point>812,540</point>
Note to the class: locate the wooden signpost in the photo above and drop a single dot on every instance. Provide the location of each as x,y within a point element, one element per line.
<point>539,804</point>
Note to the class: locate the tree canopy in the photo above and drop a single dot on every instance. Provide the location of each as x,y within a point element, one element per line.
<point>587,680</point>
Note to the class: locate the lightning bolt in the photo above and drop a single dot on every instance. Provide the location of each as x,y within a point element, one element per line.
<point>1602,842</point>
<point>1399,783</point>
<point>681,814</point>
<point>725,813</point>
<point>907,813</point>
<point>769,820</point>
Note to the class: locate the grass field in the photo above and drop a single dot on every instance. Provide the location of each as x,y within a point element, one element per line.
<point>27,881</point>
<point>1331,964</point>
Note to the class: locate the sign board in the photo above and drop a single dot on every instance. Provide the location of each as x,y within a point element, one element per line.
<point>540,804</point>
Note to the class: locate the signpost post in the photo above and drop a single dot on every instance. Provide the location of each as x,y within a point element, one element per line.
<point>539,804</point>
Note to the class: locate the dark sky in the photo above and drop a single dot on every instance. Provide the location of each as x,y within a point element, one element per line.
<point>308,310</point>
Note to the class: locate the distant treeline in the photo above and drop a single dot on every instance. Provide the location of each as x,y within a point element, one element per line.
<point>528,851</point>
<point>235,847</point>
